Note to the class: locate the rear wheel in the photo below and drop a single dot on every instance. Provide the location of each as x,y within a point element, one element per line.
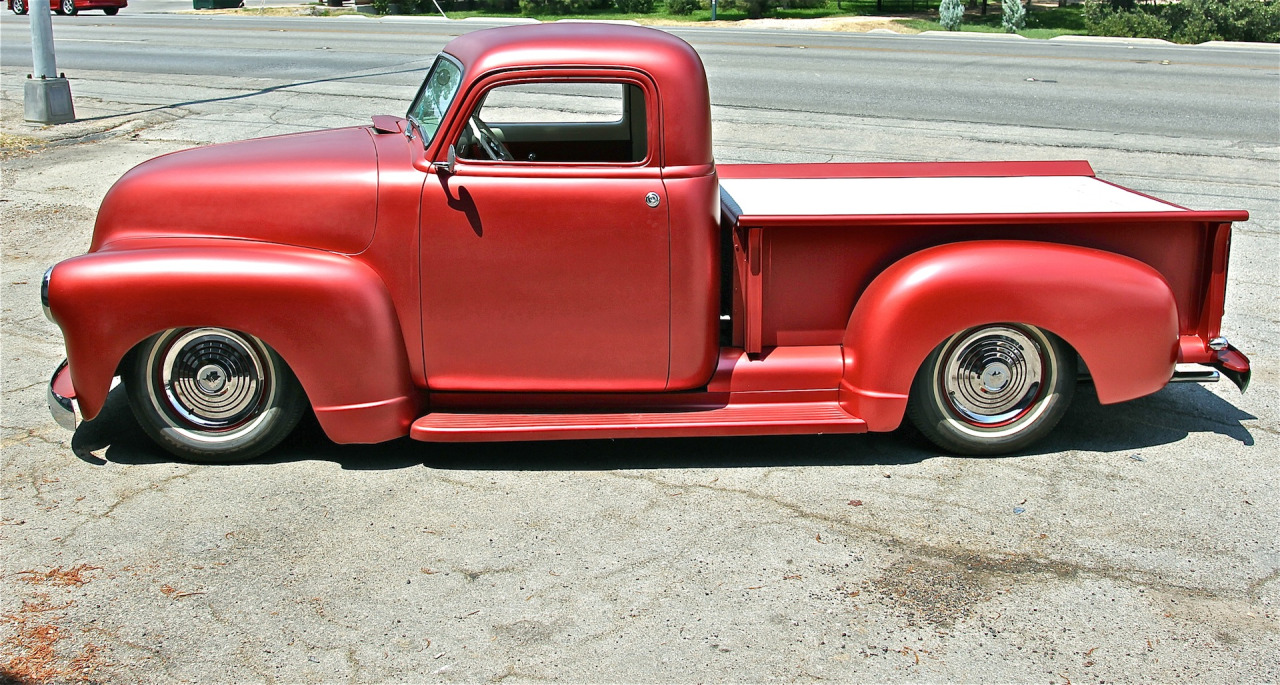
<point>111,11</point>
<point>213,395</point>
<point>68,7</point>
<point>19,6</point>
<point>993,389</point>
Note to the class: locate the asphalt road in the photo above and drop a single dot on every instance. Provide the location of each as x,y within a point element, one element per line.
<point>1137,543</point>
<point>1203,92</point>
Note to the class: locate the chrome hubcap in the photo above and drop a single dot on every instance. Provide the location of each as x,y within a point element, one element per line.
<point>213,378</point>
<point>993,375</point>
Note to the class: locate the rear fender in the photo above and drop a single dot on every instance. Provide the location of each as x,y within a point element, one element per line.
<point>329,316</point>
<point>1118,313</point>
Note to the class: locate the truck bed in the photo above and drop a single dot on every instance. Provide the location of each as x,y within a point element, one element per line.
<point>792,226</point>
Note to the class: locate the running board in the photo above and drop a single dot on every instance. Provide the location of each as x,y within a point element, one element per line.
<point>743,419</point>
<point>1198,376</point>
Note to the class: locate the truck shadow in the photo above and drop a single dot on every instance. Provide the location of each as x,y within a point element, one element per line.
<point>266,91</point>
<point>1166,417</point>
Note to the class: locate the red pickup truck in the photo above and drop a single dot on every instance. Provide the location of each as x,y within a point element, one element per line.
<point>544,248</point>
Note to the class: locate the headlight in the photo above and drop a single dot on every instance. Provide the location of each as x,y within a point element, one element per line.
<point>44,295</point>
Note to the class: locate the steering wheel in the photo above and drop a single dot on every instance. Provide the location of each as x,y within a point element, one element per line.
<point>488,140</point>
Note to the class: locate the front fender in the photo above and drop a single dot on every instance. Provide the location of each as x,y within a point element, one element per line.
<point>329,316</point>
<point>1118,313</point>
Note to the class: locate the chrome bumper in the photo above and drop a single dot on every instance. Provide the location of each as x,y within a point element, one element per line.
<point>1227,361</point>
<point>62,398</point>
<point>1234,365</point>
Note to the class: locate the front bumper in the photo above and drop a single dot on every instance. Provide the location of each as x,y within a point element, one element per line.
<point>1234,365</point>
<point>62,398</point>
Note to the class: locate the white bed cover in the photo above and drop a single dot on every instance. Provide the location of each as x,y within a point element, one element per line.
<point>922,196</point>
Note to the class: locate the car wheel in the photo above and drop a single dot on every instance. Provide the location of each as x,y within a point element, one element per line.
<point>111,11</point>
<point>993,389</point>
<point>213,395</point>
<point>19,6</point>
<point>69,7</point>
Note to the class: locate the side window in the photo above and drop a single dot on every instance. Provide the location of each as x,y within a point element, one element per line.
<point>559,122</point>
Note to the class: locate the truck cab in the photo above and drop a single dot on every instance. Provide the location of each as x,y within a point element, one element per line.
<point>571,244</point>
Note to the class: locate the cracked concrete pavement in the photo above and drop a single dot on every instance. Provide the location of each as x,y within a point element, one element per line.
<point>1137,543</point>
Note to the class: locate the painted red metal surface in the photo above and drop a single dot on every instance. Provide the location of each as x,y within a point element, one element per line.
<point>315,190</point>
<point>785,392</point>
<point>327,315</point>
<point>509,300</point>
<point>686,113</point>
<point>1117,313</point>
<point>81,5</point>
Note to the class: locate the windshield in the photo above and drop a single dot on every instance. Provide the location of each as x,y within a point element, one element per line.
<point>435,96</point>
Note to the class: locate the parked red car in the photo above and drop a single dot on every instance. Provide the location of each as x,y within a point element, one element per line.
<point>109,7</point>
<point>544,248</point>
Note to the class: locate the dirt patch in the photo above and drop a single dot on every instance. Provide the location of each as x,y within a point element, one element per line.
<point>12,145</point>
<point>929,592</point>
<point>300,11</point>
<point>39,648</point>
<point>58,576</point>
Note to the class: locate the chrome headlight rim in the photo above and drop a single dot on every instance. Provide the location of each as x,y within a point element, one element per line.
<point>44,294</point>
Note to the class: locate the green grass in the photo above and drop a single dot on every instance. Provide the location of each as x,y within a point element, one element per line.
<point>843,8</point>
<point>1041,23</point>
<point>660,12</point>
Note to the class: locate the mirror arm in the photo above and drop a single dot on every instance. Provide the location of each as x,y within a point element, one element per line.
<point>450,166</point>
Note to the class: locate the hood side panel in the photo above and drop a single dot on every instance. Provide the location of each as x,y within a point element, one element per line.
<point>315,190</point>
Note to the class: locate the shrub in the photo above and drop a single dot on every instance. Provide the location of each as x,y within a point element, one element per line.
<point>950,14</point>
<point>683,6</point>
<point>1101,20</point>
<point>561,6</point>
<point>634,6</point>
<point>756,9</point>
<point>1195,21</point>
<point>1189,21</point>
<point>1013,17</point>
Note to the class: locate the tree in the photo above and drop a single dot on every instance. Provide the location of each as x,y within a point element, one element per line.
<point>1012,15</point>
<point>951,14</point>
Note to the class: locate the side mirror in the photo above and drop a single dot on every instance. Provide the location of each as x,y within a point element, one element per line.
<point>448,167</point>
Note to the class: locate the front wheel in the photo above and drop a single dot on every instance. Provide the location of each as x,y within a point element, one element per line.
<point>111,11</point>
<point>213,395</point>
<point>993,389</point>
<point>69,7</point>
<point>19,6</point>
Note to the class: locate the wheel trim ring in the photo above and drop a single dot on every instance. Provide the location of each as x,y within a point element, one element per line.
<point>178,406</point>
<point>1013,412</point>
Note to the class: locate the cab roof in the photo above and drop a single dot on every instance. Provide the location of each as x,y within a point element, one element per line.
<point>671,63</point>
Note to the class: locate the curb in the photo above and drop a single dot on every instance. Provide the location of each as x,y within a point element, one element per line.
<point>974,34</point>
<point>623,22</point>
<point>402,19</point>
<point>513,21</point>
<point>1113,39</point>
<point>1238,44</point>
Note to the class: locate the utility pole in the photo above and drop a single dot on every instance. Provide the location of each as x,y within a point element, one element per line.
<point>47,95</point>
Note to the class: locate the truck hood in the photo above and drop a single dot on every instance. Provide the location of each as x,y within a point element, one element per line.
<point>316,189</point>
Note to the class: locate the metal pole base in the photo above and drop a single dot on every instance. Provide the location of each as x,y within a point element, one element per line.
<point>48,101</point>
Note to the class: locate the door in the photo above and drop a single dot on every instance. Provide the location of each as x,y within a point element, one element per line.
<point>548,271</point>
